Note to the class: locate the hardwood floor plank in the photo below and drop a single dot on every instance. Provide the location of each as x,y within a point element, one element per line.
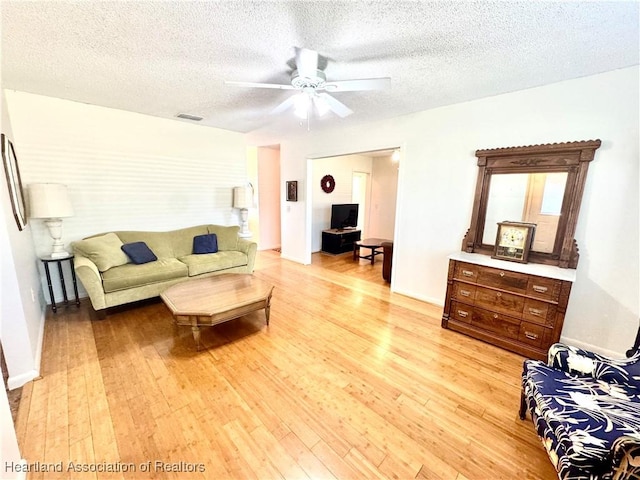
<point>251,451</point>
<point>311,464</point>
<point>349,381</point>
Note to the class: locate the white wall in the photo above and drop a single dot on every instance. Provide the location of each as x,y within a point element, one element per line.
<point>437,182</point>
<point>341,168</point>
<point>125,171</point>
<point>22,315</point>
<point>384,191</point>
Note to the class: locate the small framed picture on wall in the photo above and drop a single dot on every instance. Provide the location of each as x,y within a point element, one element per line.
<point>292,191</point>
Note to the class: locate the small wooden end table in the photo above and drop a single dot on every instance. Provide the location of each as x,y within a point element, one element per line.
<point>374,244</point>
<point>206,302</point>
<point>46,260</point>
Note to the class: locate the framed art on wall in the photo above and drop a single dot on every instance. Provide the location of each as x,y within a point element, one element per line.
<point>513,241</point>
<point>14,182</point>
<point>292,191</point>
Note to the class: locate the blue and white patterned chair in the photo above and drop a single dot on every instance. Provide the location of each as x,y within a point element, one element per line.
<point>586,410</point>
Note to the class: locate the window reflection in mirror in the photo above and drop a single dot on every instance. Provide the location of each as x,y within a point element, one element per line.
<point>526,197</point>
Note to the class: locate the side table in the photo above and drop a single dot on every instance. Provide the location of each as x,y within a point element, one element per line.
<point>373,244</point>
<point>46,260</point>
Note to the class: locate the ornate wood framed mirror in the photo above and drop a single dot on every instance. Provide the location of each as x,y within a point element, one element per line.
<point>541,184</point>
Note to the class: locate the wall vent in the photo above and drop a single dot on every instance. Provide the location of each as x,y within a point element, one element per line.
<point>186,116</point>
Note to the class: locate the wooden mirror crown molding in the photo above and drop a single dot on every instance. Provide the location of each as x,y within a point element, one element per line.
<point>570,157</point>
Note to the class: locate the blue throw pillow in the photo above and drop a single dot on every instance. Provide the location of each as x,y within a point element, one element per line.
<point>139,252</point>
<point>205,243</point>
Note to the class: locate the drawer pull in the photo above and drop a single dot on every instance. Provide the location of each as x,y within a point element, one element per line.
<point>536,312</point>
<point>463,314</point>
<point>495,315</point>
<point>502,274</point>
<point>465,293</point>
<point>467,273</point>
<point>498,294</point>
<point>539,289</point>
<point>531,336</point>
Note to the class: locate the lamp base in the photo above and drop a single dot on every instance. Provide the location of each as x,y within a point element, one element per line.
<point>55,230</point>
<point>244,224</point>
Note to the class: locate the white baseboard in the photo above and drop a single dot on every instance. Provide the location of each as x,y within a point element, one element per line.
<point>269,248</point>
<point>422,298</point>
<point>293,259</point>
<point>592,348</point>
<point>18,381</point>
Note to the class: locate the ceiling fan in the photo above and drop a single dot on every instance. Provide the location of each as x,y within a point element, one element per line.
<point>313,87</point>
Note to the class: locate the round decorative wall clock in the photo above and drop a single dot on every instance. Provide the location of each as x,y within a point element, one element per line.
<point>328,183</point>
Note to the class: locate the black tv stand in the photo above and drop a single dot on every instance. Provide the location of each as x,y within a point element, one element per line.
<point>336,241</point>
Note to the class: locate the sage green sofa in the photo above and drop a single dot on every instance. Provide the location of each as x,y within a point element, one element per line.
<point>111,279</point>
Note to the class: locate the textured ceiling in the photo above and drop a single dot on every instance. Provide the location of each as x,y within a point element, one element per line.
<point>164,58</point>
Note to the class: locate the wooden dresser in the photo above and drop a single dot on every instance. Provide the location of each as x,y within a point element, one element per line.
<point>519,307</point>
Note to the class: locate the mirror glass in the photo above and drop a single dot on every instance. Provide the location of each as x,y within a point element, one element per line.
<point>526,197</point>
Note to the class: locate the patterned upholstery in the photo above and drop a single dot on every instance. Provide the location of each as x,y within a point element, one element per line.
<point>586,410</point>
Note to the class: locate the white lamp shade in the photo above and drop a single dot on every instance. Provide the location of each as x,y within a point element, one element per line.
<point>49,200</point>
<point>241,197</point>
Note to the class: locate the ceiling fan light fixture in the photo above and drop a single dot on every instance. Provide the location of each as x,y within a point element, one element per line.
<point>312,84</point>
<point>301,105</point>
<point>322,107</point>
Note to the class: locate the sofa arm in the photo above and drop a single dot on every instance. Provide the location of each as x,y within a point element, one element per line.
<point>250,249</point>
<point>577,361</point>
<point>91,280</point>
<point>626,457</point>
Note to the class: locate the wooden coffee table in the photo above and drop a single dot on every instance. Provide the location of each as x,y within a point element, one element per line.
<point>209,301</point>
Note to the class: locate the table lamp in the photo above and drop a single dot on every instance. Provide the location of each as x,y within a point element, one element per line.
<point>243,200</point>
<point>50,201</point>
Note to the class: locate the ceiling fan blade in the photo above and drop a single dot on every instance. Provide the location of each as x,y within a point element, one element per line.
<point>354,85</point>
<point>286,105</point>
<point>260,85</point>
<point>306,62</point>
<point>336,106</point>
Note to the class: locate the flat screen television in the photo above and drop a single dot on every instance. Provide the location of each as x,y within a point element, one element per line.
<point>344,215</point>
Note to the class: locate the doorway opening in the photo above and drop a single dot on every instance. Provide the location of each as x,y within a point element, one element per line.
<point>368,178</point>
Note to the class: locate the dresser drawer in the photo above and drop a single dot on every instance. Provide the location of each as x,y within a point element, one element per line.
<point>532,334</point>
<point>539,312</point>
<point>499,301</point>
<point>503,279</point>
<point>464,292</point>
<point>466,271</point>
<point>544,288</point>
<point>503,325</point>
<point>461,312</point>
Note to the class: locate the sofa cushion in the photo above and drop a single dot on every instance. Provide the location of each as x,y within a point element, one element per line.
<point>156,241</point>
<point>227,236</point>
<point>205,243</point>
<point>181,241</point>
<point>199,264</point>
<point>132,275</point>
<point>105,251</point>
<point>579,418</point>
<point>139,252</point>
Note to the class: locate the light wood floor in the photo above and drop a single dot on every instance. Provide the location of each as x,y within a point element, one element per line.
<point>349,381</point>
